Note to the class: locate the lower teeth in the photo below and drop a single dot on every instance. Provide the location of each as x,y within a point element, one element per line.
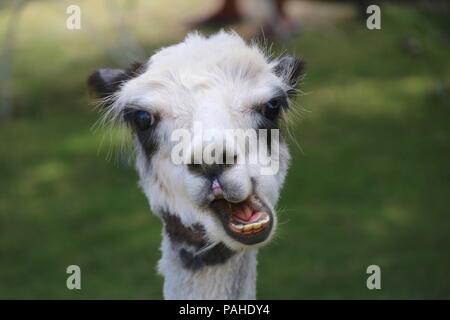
<point>251,227</point>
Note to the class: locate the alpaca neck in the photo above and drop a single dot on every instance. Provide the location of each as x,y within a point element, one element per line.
<point>217,273</point>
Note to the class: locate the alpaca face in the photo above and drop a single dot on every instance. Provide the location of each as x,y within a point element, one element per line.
<point>220,85</point>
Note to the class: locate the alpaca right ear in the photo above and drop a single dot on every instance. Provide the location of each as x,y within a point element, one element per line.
<point>104,82</point>
<point>291,69</point>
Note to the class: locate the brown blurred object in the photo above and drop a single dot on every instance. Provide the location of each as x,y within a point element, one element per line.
<point>228,13</point>
<point>277,25</point>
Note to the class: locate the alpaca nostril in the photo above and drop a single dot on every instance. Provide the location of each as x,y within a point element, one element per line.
<point>216,189</point>
<point>216,185</point>
<point>216,167</point>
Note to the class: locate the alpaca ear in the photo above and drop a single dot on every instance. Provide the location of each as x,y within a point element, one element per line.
<point>290,69</point>
<point>106,81</point>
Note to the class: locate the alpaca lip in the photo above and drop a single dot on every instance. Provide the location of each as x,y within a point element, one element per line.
<point>249,222</point>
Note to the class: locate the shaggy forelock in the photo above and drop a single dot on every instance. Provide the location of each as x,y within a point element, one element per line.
<point>220,62</point>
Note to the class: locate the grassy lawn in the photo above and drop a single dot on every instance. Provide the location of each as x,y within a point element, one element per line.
<point>369,185</point>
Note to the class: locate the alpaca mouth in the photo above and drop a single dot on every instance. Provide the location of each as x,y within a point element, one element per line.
<point>249,222</point>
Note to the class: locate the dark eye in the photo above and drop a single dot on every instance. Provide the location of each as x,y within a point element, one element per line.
<point>272,109</point>
<point>143,120</point>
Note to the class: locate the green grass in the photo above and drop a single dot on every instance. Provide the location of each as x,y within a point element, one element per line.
<point>371,186</point>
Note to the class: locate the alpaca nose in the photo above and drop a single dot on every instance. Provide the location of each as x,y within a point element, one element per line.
<point>215,168</point>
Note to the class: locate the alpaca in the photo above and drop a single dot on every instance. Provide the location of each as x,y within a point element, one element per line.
<point>215,217</point>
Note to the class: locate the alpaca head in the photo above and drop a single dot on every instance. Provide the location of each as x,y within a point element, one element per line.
<point>221,85</point>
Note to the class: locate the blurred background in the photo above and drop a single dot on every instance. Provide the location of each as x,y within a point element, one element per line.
<point>370,176</point>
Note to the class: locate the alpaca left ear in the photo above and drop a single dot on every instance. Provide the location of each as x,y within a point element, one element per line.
<point>290,69</point>
<point>106,81</point>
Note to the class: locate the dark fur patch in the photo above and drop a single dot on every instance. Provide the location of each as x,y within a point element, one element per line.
<point>263,122</point>
<point>178,232</point>
<point>219,254</point>
<point>148,142</point>
<point>195,237</point>
<point>147,138</point>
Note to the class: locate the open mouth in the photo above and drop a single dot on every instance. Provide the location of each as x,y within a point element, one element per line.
<point>248,222</point>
